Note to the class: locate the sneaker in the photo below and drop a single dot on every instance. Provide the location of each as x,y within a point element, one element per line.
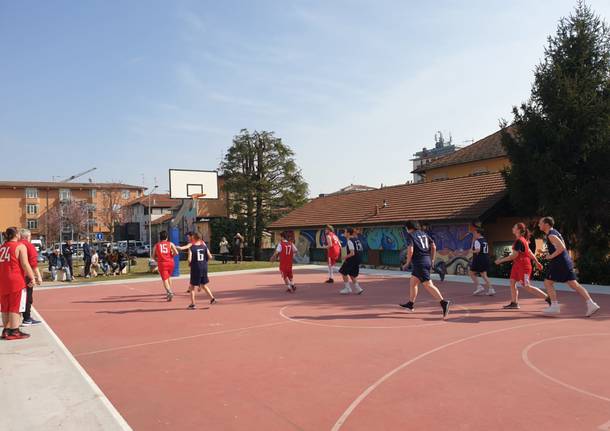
<point>30,321</point>
<point>358,290</point>
<point>548,300</point>
<point>330,280</point>
<point>491,292</point>
<point>16,335</point>
<point>294,288</point>
<point>445,307</point>
<point>4,333</point>
<point>212,301</point>
<point>409,306</point>
<point>592,308</point>
<point>551,309</point>
<point>480,290</point>
<point>191,307</point>
<point>443,272</point>
<point>170,296</point>
<point>345,291</point>
<point>511,306</point>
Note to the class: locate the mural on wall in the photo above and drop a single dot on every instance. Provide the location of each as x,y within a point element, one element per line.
<point>453,242</point>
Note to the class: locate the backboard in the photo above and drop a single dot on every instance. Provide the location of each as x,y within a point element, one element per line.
<point>183,183</point>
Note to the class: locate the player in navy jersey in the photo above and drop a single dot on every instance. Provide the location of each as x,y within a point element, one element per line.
<point>560,269</point>
<point>420,251</point>
<point>480,264</point>
<point>351,265</point>
<point>200,255</point>
<point>440,267</point>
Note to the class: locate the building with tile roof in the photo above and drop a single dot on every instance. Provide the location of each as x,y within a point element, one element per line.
<point>459,188</point>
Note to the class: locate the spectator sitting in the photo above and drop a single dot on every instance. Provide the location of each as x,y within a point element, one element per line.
<point>55,263</point>
<point>113,262</point>
<point>95,263</point>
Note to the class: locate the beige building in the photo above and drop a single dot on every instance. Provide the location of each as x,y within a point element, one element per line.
<point>37,205</point>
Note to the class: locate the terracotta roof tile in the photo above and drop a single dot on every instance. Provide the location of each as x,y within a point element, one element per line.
<point>157,201</point>
<point>489,147</point>
<point>462,198</point>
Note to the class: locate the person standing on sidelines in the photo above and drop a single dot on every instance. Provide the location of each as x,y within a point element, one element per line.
<point>24,238</point>
<point>480,264</point>
<point>14,269</point>
<point>561,269</point>
<point>521,257</point>
<point>333,250</point>
<point>164,252</point>
<point>87,257</point>
<point>350,269</point>
<point>286,251</point>
<point>238,248</point>
<point>421,250</point>
<point>67,252</point>
<point>223,246</point>
<point>200,255</point>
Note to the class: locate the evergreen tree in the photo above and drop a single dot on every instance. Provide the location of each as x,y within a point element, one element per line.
<point>263,182</point>
<point>559,145</point>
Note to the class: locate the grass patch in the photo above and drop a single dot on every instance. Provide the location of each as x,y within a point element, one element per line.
<point>141,270</point>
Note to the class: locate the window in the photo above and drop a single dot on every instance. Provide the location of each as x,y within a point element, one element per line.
<point>31,193</point>
<point>31,209</point>
<point>93,193</point>
<point>139,193</point>
<point>480,171</point>
<point>440,177</point>
<point>64,194</point>
<point>32,224</point>
<point>125,194</point>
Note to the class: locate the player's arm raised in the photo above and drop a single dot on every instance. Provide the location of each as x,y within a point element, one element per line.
<point>22,255</point>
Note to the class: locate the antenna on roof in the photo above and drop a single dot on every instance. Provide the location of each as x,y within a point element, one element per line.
<point>468,141</point>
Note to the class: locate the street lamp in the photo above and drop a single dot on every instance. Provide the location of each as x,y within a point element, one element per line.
<point>150,221</point>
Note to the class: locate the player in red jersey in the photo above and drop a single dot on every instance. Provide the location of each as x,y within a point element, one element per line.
<point>164,253</point>
<point>14,268</point>
<point>286,251</point>
<point>522,257</point>
<point>24,238</point>
<point>333,250</point>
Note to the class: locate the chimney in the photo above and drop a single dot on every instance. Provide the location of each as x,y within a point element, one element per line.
<point>376,210</point>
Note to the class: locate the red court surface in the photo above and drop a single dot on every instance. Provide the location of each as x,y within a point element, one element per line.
<point>263,359</point>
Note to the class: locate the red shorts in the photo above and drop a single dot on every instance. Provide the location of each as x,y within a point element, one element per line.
<point>521,274</point>
<point>333,255</point>
<point>286,272</point>
<point>13,302</point>
<point>165,271</point>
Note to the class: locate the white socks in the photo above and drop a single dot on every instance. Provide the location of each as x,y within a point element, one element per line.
<point>330,272</point>
<point>348,286</point>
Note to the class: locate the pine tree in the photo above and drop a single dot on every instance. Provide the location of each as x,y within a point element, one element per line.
<point>263,182</point>
<point>560,151</point>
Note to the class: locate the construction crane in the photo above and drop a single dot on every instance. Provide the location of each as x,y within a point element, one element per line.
<point>73,177</point>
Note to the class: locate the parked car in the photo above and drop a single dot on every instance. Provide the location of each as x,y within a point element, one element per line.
<point>143,250</point>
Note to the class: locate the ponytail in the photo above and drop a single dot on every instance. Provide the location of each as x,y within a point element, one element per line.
<point>10,233</point>
<point>524,231</point>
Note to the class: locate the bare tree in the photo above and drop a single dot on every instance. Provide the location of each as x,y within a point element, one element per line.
<point>112,211</point>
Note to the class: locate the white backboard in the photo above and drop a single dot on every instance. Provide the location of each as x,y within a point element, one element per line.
<point>183,183</point>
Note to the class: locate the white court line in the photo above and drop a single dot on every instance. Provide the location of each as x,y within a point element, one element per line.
<point>121,422</point>
<point>604,427</point>
<point>170,340</point>
<point>347,316</point>
<point>346,414</point>
<point>526,359</point>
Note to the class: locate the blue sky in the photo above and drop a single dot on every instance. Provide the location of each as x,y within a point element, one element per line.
<point>354,87</point>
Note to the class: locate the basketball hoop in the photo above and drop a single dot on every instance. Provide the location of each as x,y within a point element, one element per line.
<point>196,197</point>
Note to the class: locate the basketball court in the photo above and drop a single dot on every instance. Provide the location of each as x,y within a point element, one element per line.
<point>315,360</point>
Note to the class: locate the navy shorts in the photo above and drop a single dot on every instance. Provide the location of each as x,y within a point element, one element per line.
<point>198,279</point>
<point>422,272</point>
<point>350,269</point>
<point>560,273</point>
<point>479,265</point>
